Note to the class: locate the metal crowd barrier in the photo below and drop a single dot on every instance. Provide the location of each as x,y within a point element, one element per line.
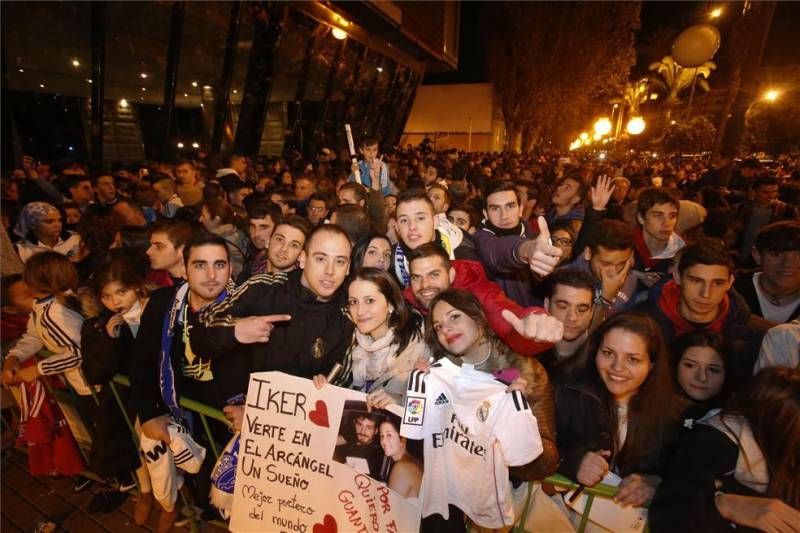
<point>205,412</point>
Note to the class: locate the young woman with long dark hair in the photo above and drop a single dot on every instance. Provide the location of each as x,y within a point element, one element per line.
<point>619,412</point>
<point>387,341</point>
<point>459,333</point>
<point>700,362</point>
<point>739,466</point>
<point>373,250</point>
<point>457,328</point>
<point>405,474</point>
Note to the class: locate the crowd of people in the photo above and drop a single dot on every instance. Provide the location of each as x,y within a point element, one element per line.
<point>648,310</point>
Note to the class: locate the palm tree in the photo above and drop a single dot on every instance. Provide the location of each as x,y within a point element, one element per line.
<point>636,94</point>
<point>673,79</point>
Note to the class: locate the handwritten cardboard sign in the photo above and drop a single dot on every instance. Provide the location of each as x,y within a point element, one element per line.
<point>317,461</point>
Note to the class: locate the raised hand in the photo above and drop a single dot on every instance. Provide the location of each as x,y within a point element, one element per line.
<point>612,282</point>
<point>601,193</point>
<point>540,254</point>
<point>235,415</point>
<point>519,384</point>
<point>254,329</point>
<point>765,514</point>
<point>379,399</point>
<point>156,428</point>
<point>537,327</point>
<point>375,172</point>
<point>637,490</point>
<point>113,325</point>
<point>319,381</point>
<point>593,468</point>
<point>10,369</point>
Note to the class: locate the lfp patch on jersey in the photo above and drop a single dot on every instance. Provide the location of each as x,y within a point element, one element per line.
<point>415,411</point>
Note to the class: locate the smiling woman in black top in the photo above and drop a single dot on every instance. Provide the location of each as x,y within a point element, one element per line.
<point>618,411</point>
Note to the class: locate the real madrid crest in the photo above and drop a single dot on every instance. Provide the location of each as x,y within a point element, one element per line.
<point>483,411</point>
<point>318,350</point>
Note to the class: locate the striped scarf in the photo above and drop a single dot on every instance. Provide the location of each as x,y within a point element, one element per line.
<point>172,321</point>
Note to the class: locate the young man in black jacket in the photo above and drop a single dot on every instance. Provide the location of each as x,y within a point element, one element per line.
<point>167,367</point>
<point>295,321</point>
<point>700,297</point>
<point>299,313</point>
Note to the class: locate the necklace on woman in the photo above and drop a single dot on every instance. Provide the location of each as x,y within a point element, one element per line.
<point>488,355</point>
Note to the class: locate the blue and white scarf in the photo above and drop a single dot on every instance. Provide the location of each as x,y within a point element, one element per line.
<point>172,322</point>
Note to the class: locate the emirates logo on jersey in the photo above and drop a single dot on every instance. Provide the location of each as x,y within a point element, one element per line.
<point>482,413</point>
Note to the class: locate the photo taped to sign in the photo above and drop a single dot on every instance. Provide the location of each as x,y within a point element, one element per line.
<point>369,441</point>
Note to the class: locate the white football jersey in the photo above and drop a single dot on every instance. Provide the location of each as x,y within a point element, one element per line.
<point>473,430</point>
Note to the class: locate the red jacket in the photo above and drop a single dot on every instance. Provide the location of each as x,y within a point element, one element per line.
<point>471,277</point>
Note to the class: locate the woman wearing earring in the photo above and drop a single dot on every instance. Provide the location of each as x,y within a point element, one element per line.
<point>387,341</point>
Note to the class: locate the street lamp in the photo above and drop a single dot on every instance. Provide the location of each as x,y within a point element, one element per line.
<point>770,97</point>
<point>583,136</point>
<point>715,13</point>
<point>602,126</point>
<point>635,126</point>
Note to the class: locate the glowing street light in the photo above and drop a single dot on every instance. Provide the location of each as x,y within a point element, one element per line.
<point>583,136</point>
<point>715,13</point>
<point>180,145</point>
<point>602,126</point>
<point>596,137</point>
<point>635,126</point>
<point>123,103</point>
<point>76,63</point>
<point>771,95</point>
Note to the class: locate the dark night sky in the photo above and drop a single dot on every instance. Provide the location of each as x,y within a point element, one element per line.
<point>782,46</point>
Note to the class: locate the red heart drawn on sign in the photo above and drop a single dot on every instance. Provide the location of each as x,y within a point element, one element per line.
<point>320,415</point>
<point>328,524</point>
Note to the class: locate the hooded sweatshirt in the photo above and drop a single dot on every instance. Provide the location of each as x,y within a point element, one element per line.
<point>734,320</point>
